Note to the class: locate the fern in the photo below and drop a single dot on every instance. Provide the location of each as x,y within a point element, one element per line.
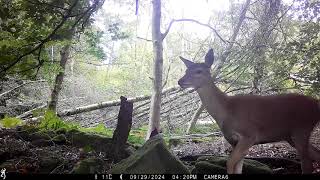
<point>52,122</point>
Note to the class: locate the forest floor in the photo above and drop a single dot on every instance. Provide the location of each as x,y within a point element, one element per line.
<point>273,151</point>
<point>29,153</point>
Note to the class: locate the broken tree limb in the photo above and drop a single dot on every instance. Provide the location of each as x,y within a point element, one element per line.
<point>101,105</point>
<point>27,113</point>
<point>193,136</point>
<point>7,93</point>
<point>121,133</point>
<point>194,119</point>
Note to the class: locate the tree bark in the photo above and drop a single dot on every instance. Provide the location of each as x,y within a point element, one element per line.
<point>121,133</point>
<point>65,52</point>
<point>223,58</point>
<point>157,38</point>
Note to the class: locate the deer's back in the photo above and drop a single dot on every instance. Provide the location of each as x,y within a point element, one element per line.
<point>277,114</point>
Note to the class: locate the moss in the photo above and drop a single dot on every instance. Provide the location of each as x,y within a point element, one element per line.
<point>59,139</point>
<point>10,122</point>
<point>88,166</point>
<point>204,167</point>
<point>152,158</point>
<point>211,164</point>
<point>205,128</point>
<point>82,139</point>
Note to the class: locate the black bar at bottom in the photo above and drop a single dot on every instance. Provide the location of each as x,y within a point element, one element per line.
<point>155,176</point>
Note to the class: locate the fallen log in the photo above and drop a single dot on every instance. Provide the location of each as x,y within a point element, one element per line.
<point>193,136</point>
<point>101,105</point>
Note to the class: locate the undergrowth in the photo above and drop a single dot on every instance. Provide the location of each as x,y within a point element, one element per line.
<point>51,122</point>
<point>10,122</point>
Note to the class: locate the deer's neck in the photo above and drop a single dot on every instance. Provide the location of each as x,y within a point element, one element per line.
<point>215,101</point>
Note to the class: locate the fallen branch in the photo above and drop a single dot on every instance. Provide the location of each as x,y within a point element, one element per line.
<point>101,105</point>
<point>193,136</point>
<point>27,113</point>
<point>7,93</point>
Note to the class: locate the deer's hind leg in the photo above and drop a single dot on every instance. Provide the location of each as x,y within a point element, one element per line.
<point>301,143</point>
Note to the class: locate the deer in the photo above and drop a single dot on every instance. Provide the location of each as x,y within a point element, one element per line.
<point>247,119</point>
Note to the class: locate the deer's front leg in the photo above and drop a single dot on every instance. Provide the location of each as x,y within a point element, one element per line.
<point>235,161</point>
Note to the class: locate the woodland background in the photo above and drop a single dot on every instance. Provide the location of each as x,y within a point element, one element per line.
<point>77,57</point>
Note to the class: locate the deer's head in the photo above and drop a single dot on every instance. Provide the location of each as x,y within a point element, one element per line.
<point>197,74</point>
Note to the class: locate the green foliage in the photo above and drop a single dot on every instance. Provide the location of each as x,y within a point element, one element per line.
<point>87,148</point>
<point>99,129</point>
<point>10,122</point>
<point>93,40</point>
<point>205,128</point>
<point>52,122</point>
<point>137,136</point>
<point>116,33</point>
<point>27,27</point>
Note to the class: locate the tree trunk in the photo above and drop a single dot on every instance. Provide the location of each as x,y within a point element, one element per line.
<point>64,53</point>
<point>223,58</point>
<point>121,133</point>
<point>154,121</point>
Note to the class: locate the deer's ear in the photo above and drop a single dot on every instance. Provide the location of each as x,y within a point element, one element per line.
<point>187,62</point>
<point>209,58</point>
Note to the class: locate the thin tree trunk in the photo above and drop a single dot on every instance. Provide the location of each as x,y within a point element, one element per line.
<point>65,52</point>
<point>224,56</point>
<point>154,121</point>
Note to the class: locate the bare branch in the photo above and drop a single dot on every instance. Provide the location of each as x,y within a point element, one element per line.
<point>144,39</point>
<point>195,21</point>
<point>15,88</point>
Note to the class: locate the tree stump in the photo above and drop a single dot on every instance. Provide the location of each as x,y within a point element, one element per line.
<point>121,133</point>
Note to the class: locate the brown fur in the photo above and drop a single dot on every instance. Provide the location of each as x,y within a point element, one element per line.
<point>246,120</point>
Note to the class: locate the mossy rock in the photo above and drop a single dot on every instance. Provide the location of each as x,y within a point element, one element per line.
<point>48,163</point>
<point>213,164</point>
<point>204,167</point>
<point>152,158</point>
<point>97,142</point>
<point>62,130</point>
<point>59,139</point>
<point>88,166</point>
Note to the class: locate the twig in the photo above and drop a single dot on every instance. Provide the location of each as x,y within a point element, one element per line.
<point>195,21</point>
<point>11,90</point>
<point>149,40</point>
